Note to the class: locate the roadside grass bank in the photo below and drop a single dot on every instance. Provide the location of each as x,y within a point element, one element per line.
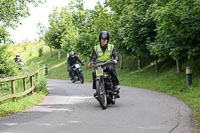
<point>9,106</point>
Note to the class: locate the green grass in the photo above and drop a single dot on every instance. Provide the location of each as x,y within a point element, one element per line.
<point>9,107</point>
<point>167,80</point>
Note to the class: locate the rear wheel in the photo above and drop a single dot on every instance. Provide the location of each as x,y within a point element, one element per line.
<point>101,94</point>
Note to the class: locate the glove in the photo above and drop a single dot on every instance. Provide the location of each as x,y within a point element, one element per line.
<point>114,61</point>
<point>90,65</point>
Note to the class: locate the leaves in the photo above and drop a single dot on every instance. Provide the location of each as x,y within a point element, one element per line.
<point>7,66</point>
<point>11,12</point>
<point>177,29</point>
<point>161,27</point>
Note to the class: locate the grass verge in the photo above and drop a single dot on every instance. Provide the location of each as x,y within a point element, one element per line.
<point>9,107</point>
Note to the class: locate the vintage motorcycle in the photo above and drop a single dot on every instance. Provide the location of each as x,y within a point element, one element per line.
<point>20,65</point>
<point>104,87</point>
<point>77,73</point>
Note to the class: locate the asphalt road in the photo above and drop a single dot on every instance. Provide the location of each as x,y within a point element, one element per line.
<point>71,108</point>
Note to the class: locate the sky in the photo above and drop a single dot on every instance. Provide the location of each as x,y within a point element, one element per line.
<point>28,29</point>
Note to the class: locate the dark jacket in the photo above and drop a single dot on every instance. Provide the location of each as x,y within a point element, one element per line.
<point>94,55</point>
<point>71,61</point>
<point>17,59</point>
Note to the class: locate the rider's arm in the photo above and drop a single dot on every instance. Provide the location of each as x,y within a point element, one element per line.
<point>20,60</point>
<point>79,60</point>
<point>68,60</point>
<point>114,54</point>
<point>93,56</point>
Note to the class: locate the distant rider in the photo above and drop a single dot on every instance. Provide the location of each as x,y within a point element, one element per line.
<point>17,58</point>
<point>71,60</point>
<point>19,61</point>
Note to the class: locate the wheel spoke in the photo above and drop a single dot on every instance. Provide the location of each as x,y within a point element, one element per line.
<point>101,94</point>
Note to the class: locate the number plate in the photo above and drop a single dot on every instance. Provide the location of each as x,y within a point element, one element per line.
<point>99,72</point>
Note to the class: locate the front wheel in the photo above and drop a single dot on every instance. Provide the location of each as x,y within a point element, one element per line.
<point>81,77</point>
<point>101,94</point>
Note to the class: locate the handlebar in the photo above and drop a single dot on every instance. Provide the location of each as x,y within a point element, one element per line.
<point>104,62</point>
<point>75,64</point>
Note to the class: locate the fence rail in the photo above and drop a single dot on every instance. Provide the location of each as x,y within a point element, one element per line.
<point>14,95</point>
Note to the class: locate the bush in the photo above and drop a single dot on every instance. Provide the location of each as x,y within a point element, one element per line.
<point>40,51</point>
<point>41,88</point>
<point>30,54</point>
<point>24,46</point>
<point>7,66</point>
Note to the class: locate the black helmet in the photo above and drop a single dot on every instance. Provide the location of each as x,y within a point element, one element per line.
<point>71,53</point>
<point>104,35</point>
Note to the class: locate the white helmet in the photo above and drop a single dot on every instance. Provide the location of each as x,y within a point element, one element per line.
<point>17,55</point>
<point>71,53</point>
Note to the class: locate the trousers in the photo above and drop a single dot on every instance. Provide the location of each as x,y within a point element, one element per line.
<point>70,73</point>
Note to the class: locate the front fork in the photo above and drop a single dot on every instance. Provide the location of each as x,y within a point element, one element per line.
<point>101,82</point>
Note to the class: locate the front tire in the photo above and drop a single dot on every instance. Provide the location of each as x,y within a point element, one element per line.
<point>81,77</point>
<point>101,94</point>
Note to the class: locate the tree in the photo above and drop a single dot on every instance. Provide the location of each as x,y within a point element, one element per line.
<point>136,28</point>
<point>4,35</point>
<point>117,25</point>
<point>7,66</point>
<point>41,30</point>
<point>55,30</point>
<point>11,13</point>
<point>48,36</point>
<point>178,30</point>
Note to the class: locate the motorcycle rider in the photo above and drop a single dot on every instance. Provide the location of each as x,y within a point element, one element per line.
<point>71,60</point>
<point>105,51</point>
<point>19,61</point>
<point>17,58</point>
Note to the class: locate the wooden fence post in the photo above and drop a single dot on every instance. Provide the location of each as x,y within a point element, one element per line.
<point>24,84</point>
<point>13,89</point>
<point>31,80</point>
<point>13,94</point>
<point>37,76</point>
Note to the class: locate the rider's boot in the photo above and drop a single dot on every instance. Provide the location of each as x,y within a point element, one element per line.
<point>116,89</point>
<point>73,81</point>
<point>116,92</point>
<point>95,96</point>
